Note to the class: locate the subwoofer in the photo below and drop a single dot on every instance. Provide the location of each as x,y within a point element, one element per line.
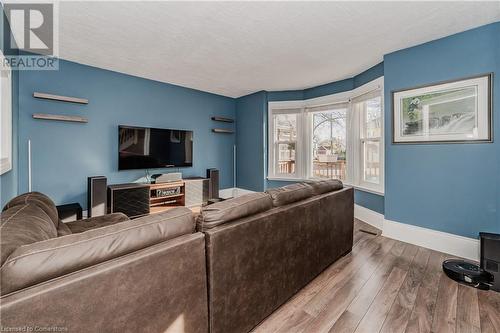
<point>490,257</point>
<point>129,199</point>
<point>96,196</point>
<point>213,187</point>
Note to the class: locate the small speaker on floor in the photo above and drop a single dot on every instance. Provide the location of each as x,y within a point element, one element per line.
<point>96,196</point>
<point>490,257</point>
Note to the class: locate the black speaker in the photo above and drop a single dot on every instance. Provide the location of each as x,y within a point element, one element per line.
<point>490,257</point>
<point>96,196</point>
<point>213,187</point>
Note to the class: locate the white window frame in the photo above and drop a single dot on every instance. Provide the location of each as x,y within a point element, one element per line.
<point>286,108</point>
<point>5,116</point>
<point>361,140</point>
<point>355,173</point>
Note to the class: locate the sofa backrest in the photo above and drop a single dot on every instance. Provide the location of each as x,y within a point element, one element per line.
<point>43,260</point>
<point>232,209</point>
<point>321,186</point>
<point>290,193</point>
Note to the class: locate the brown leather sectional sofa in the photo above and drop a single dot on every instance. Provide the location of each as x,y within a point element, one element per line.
<point>157,273</point>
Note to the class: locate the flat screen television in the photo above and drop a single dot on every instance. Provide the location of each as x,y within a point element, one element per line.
<point>150,148</point>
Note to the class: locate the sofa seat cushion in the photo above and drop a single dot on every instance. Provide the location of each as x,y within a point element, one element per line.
<point>22,225</point>
<point>96,222</point>
<point>42,261</point>
<point>232,209</point>
<point>321,186</point>
<point>39,199</point>
<point>290,193</point>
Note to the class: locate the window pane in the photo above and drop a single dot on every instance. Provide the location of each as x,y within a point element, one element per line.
<point>285,127</point>
<point>286,158</point>
<point>373,118</point>
<point>329,144</point>
<point>371,168</point>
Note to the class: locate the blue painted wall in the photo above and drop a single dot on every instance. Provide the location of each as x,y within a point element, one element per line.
<point>9,181</point>
<point>65,154</point>
<point>252,175</point>
<point>329,88</point>
<point>250,140</point>
<point>453,188</point>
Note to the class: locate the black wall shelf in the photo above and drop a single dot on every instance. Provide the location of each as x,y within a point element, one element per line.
<point>223,119</point>
<point>222,130</point>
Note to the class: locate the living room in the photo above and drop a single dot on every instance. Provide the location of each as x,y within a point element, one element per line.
<point>250,166</point>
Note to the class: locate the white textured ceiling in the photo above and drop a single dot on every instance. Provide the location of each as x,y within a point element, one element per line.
<point>236,48</point>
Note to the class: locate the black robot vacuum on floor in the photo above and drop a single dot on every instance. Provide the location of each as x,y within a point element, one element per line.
<point>468,273</point>
<point>484,276</point>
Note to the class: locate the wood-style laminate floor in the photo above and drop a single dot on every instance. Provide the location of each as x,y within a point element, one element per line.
<point>386,286</point>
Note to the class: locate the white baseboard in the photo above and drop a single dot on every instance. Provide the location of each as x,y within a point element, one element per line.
<point>455,245</point>
<point>233,192</point>
<point>369,216</point>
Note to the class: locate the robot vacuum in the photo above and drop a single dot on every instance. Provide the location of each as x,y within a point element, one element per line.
<point>467,273</point>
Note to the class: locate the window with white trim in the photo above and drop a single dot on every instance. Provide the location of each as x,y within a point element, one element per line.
<point>339,136</point>
<point>328,141</point>
<point>5,117</point>
<point>286,130</point>
<point>370,140</point>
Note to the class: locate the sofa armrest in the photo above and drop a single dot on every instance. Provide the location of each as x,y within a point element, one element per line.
<point>159,289</point>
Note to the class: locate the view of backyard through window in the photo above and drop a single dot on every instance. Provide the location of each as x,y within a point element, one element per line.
<point>286,141</point>
<point>370,139</point>
<point>329,141</point>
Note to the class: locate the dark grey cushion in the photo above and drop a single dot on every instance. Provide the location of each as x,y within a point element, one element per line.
<point>321,186</point>
<point>290,193</point>
<point>232,209</point>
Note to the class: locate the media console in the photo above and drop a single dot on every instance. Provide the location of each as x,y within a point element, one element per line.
<point>139,199</point>
<point>166,195</point>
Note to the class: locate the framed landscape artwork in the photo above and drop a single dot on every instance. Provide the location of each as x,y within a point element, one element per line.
<point>450,112</point>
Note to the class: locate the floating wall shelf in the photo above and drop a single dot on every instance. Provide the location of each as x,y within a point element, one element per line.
<point>74,119</point>
<point>222,130</point>
<point>60,98</point>
<point>223,119</point>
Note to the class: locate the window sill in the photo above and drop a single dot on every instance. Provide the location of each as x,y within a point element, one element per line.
<point>285,179</point>
<point>366,189</point>
<point>357,187</point>
<point>5,165</point>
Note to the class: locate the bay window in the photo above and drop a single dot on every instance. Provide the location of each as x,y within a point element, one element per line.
<point>338,136</point>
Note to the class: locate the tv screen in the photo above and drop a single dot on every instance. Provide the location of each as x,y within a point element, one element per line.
<point>149,148</point>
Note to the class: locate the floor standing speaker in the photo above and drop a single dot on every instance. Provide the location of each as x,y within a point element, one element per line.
<point>213,187</point>
<point>96,196</point>
<point>490,257</point>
